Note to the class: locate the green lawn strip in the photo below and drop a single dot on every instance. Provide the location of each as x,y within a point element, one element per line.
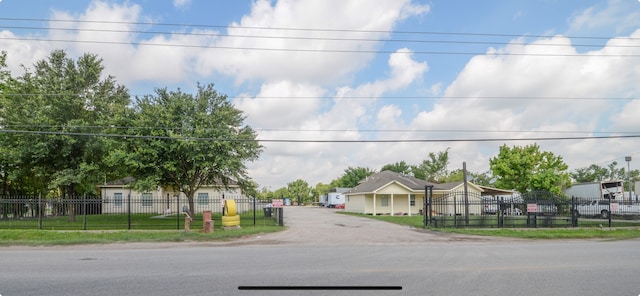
<point>588,230</point>
<point>122,222</point>
<point>69,237</point>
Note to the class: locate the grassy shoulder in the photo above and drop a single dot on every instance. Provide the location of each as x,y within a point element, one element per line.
<point>13,237</point>
<point>614,233</point>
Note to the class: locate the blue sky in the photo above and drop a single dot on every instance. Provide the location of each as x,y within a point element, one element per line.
<point>397,70</point>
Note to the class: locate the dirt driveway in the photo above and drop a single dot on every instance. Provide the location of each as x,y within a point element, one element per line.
<point>323,226</point>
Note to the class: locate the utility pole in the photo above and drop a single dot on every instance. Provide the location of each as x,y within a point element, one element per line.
<point>628,160</point>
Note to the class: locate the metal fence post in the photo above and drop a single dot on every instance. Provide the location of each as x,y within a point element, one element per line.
<point>425,207</point>
<point>84,211</point>
<point>129,211</point>
<point>40,211</point>
<point>177,212</point>
<point>430,206</point>
<point>254,211</point>
<point>574,212</point>
<point>609,213</point>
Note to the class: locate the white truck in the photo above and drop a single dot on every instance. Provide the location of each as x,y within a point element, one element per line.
<point>609,190</point>
<point>336,197</point>
<point>603,208</point>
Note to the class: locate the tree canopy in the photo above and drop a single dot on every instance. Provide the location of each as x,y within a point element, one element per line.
<point>529,169</point>
<point>595,173</point>
<point>186,141</point>
<point>352,177</point>
<point>52,113</point>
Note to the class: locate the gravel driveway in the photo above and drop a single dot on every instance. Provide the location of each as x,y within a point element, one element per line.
<point>323,226</point>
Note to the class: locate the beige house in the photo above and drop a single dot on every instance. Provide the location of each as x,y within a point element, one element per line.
<point>391,193</point>
<point>118,197</point>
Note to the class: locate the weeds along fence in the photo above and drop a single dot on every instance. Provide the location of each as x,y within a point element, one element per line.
<point>531,210</point>
<point>125,212</point>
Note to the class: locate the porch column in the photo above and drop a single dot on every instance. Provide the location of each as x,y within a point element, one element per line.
<point>392,212</point>
<point>409,203</point>
<point>374,204</point>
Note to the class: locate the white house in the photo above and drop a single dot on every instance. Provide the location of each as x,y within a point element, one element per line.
<point>392,193</point>
<point>118,197</point>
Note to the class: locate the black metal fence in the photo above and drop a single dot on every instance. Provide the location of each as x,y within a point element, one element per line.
<point>532,210</point>
<point>128,212</point>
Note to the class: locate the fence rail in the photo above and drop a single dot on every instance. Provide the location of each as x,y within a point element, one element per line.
<point>129,212</point>
<point>535,210</point>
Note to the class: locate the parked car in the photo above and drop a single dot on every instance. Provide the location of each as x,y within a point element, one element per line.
<point>340,206</point>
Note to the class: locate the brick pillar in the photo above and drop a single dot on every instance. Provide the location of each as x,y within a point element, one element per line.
<point>207,222</point>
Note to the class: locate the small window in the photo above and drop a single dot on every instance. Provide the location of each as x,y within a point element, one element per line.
<point>412,199</point>
<point>384,200</point>
<point>117,199</point>
<point>147,199</point>
<point>203,198</point>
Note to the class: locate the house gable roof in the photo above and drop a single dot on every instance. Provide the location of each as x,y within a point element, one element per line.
<point>384,178</point>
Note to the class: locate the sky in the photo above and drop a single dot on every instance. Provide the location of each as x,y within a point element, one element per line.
<point>352,84</point>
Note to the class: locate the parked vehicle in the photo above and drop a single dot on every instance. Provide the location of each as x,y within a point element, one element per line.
<point>594,208</point>
<point>597,190</point>
<point>336,197</point>
<point>603,208</point>
<point>340,206</point>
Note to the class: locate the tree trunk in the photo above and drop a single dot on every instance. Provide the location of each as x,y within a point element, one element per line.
<point>192,210</point>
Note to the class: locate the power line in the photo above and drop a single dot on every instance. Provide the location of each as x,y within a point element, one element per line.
<point>322,38</point>
<point>165,128</point>
<point>329,97</point>
<point>362,51</point>
<point>8,131</point>
<point>304,29</point>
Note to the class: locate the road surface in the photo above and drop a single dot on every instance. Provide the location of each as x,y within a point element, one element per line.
<point>324,250</point>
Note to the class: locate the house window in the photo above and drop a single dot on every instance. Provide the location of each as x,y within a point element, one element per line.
<point>412,199</point>
<point>384,200</point>
<point>117,199</point>
<point>203,198</point>
<point>147,199</point>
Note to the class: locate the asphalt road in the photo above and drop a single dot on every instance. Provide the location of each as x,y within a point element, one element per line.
<point>325,250</point>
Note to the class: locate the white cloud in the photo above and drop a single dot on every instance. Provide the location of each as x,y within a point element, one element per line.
<point>618,15</point>
<point>316,63</point>
<point>315,120</point>
<point>561,75</point>
<point>181,3</point>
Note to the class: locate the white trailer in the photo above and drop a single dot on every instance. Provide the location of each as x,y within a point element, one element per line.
<point>336,197</point>
<point>597,190</point>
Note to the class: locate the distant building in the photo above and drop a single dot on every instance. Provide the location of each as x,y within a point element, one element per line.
<point>119,197</point>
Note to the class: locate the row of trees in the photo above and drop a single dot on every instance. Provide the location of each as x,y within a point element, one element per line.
<point>520,168</point>
<point>66,126</point>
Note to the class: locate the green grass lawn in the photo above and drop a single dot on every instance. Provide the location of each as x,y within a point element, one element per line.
<point>516,227</point>
<point>28,237</point>
<point>114,228</point>
<point>124,222</point>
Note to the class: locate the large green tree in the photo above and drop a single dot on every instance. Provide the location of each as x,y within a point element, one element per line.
<point>54,116</point>
<point>319,190</point>
<point>188,140</point>
<point>399,167</point>
<point>529,169</point>
<point>299,190</point>
<point>433,169</point>
<point>352,177</point>
<point>595,173</point>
